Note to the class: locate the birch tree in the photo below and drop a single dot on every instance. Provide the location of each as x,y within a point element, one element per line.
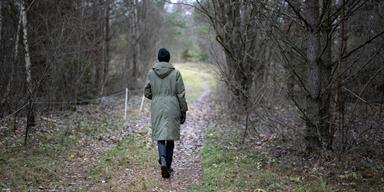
<point>27,59</point>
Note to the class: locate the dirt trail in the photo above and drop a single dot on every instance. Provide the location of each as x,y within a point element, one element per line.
<point>186,163</point>
<point>133,177</point>
<point>187,156</point>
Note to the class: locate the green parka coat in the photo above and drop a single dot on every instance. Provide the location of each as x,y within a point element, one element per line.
<point>165,87</point>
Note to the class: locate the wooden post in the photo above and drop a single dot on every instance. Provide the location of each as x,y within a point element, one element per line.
<point>14,123</point>
<point>141,105</point>
<point>29,118</point>
<point>126,104</point>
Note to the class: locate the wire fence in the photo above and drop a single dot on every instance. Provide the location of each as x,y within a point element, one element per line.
<point>121,92</point>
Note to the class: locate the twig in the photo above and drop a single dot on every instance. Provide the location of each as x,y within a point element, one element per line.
<point>14,112</point>
<point>354,94</point>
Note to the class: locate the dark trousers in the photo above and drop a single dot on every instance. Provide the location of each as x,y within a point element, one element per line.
<point>166,150</point>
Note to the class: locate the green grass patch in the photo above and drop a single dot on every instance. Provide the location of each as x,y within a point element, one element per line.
<point>23,167</point>
<point>131,151</point>
<point>128,156</point>
<point>196,77</point>
<point>42,161</point>
<point>226,168</point>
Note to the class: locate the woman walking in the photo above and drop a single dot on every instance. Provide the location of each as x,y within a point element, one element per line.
<point>165,87</point>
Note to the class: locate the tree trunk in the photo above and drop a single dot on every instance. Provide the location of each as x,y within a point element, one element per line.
<point>339,116</point>
<point>133,57</point>
<point>15,55</point>
<point>30,116</point>
<point>77,70</point>
<point>106,44</point>
<point>325,69</point>
<point>313,75</point>
<point>1,20</point>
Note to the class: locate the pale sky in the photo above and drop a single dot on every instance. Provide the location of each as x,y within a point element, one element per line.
<point>188,9</point>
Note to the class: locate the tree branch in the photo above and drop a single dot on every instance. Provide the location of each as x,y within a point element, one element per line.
<point>297,12</point>
<point>362,45</point>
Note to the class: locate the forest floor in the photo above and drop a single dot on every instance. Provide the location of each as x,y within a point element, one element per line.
<point>143,173</point>
<point>94,149</point>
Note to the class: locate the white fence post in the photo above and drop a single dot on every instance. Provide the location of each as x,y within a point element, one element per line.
<point>141,105</point>
<point>126,104</point>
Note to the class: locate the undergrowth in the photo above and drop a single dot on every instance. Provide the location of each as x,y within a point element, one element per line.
<point>129,152</point>
<point>41,163</point>
<point>228,168</point>
<point>129,156</point>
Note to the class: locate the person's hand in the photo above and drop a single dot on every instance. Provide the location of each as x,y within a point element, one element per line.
<point>183,116</point>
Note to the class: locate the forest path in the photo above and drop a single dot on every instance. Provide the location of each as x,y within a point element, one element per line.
<point>146,176</point>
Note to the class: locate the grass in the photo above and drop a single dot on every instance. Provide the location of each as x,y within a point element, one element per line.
<point>226,168</point>
<point>37,164</point>
<point>23,167</point>
<point>130,151</point>
<point>41,162</point>
<point>131,154</point>
<point>196,77</point>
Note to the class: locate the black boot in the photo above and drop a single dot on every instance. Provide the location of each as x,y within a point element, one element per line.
<point>164,169</point>
<point>170,170</point>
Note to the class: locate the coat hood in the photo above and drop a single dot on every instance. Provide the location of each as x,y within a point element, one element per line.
<point>163,69</point>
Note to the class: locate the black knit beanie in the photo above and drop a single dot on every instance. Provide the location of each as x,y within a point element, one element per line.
<point>163,55</point>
